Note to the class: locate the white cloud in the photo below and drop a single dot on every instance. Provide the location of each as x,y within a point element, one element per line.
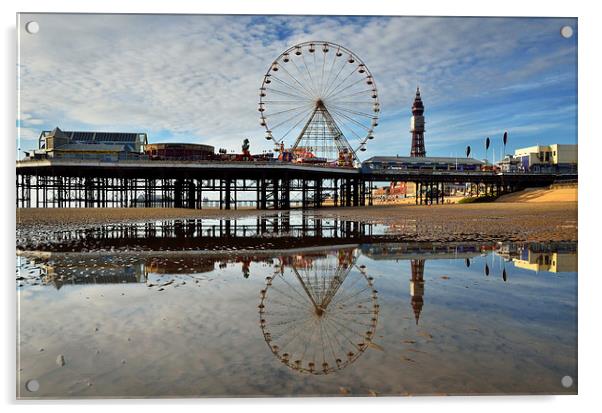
<point>196,78</point>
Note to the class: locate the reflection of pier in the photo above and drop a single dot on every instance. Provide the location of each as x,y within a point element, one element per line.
<point>318,312</point>
<point>276,231</point>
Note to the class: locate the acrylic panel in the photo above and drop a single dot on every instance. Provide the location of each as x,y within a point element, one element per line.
<point>287,205</point>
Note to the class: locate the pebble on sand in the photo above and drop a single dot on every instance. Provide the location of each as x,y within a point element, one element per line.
<point>60,360</point>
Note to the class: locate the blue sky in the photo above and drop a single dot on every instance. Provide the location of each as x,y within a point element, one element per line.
<point>196,78</point>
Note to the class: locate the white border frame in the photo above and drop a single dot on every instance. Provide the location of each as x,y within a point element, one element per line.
<point>589,133</point>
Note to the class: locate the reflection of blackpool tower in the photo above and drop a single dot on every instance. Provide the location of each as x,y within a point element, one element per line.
<point>417,127</point>
<point>417,287</point>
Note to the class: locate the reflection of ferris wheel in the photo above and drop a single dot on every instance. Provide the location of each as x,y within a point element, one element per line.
<point>321,315</point>
<point>321,95</point>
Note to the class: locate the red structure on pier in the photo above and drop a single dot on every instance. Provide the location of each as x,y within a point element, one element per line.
<point>417,127</point>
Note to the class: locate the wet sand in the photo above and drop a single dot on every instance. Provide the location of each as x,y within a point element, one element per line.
<point>507,221</point>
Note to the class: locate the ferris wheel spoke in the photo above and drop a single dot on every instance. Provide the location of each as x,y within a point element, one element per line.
<point>286,321</point>
<point>294,126</point>
<point>322,77</point>
<point>309,73</point>
<point>302,301</point>
<point>345,327</point>
<point>355,112</point>
<point>330,71</point>
<point>343,125</point>
<point>299,293</point>
<point>281,92</point>
<point>287,120</point>
<point>356,103</point>
<point>332,338</point>
<point>349,320</point>
<point>271,115</point>
<point>341,83</point>
<point>359,92</point>
<point>340,332</point>
<point>300,88</point>
<point>336,334</point>
<point>281,102</point>
<point>310,93</point>
<point>350,296</point>
<point>352,120</point>
<point>323,345</point>
<point>301,74</point>
<point>332,82</point>
<point>351,285</point>
<point>295,327</point>
<point>332,94</point>
<point>302,298</point>
<point>311,337</point>
<point>298,333</point>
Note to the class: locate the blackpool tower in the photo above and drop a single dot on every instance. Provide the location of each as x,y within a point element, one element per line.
<point>417,127</point>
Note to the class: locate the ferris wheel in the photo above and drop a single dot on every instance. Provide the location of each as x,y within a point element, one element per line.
<point>319,315</point>
<point>321,97</point>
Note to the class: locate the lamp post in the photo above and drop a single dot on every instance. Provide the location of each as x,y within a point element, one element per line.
<point>487,143</point>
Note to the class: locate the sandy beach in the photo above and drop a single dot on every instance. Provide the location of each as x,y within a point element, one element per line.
<point>540,215</point>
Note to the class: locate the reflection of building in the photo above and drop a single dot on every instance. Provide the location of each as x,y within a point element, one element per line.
<point>417,287</point>
<point>183,266</point>
<point>550,257</point>
<point>547,261</point>
<point>99,270</point>
<point>110,146</point>
<point>421,250</point>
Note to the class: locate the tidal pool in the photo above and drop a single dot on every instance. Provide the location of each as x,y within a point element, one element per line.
<point>325,308</point>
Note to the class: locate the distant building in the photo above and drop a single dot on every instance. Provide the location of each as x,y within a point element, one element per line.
<point>179,151</point>
<point>422,163</point>
<point>417,127</point>
<point>109,146</point>
<point>395,190</point>
<point>511,164</point>
<point>543,158</point>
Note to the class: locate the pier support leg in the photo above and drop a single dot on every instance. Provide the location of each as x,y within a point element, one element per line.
<point>177,196</point>
<point>318,193</point>
<point>285,199</point>
<point>227,193</point>
<point>335,197</point>
<point>303,193</point>
<point>348,192</point>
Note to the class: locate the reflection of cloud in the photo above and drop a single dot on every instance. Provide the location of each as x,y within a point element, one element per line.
<point>203,339</point>
<point>187,77</point>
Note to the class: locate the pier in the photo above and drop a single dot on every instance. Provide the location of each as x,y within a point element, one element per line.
<point>63,183</point>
